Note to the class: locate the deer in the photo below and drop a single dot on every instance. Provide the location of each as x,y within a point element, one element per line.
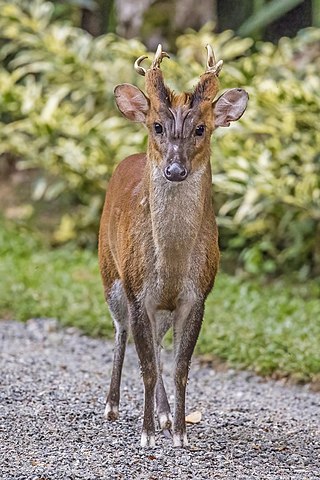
<point>158,238</point>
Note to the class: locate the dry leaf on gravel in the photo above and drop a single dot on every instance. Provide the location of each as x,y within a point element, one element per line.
<point>194,417</point>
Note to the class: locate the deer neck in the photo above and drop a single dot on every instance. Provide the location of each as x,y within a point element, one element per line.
<point>176,211</point>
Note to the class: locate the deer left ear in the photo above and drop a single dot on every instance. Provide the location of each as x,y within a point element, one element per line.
<point>230,107</point>
<point>132,103</point>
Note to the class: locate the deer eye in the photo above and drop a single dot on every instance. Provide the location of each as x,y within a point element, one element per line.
<point>199,130</point>
<point>158,128</point>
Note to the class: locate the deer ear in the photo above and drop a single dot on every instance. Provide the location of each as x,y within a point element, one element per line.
<point>230,106</point>
<point>132,103</point>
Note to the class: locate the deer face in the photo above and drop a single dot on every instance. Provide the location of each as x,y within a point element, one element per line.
<point>180,126</point>
<point>177,137</point>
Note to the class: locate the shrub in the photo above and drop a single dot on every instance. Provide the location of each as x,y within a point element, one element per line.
<point>57,108</point>
<point>57,114</point>
<point>269,165</point>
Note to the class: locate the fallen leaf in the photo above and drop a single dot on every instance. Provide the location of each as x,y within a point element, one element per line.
<point>194,417</point>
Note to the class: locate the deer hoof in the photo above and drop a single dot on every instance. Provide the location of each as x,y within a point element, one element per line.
<point>180,440</point>
<point>165,421</point>
<point>147,440</point>
<point>111,412</point>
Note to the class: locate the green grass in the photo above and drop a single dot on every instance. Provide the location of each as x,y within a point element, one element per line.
<point>271,328</point>
<point>61,283</point>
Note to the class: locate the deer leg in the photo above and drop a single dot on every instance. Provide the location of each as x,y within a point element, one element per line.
<point>164,322</point>
<point>143,330</point>
<point>186,328</point>
<point>163,407</point>
<point>117,302</point>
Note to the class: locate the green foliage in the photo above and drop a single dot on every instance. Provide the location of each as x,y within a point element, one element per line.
<point>57,110</point>
<point>269,174</point>
<point>265,327</point>
<point>266,14</point>
<point>268,328</point>
<point>57,113</point>
<point>59,283</point>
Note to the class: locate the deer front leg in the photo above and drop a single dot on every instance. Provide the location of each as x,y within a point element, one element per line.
<point>117,302</point>
<point>163,323</point>
<point>163,407</point>
<point>144,338</point>
<point>112,406</point>
<point>186,330</point>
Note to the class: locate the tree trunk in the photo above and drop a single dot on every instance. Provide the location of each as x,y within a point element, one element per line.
<point>90,22</point>
<point>194,13</point>
<point>130,16</point>
<point>97,21</point>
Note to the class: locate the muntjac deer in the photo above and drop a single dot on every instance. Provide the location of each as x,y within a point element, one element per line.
<point>158,243</point>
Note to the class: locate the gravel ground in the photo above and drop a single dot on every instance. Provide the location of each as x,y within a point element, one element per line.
<point>53,386</point>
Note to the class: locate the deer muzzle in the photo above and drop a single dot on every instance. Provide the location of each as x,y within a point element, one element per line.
<point>175,172</point>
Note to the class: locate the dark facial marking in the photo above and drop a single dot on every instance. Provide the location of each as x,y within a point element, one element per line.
<point>179,116</point>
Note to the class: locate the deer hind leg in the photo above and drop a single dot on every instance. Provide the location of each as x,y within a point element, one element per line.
<point>186,328</point>
<point>163,322</point>
<point>118,307</point>
<point>144,334</point>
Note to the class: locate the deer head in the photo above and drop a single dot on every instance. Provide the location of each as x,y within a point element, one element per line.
<point>180,125</point>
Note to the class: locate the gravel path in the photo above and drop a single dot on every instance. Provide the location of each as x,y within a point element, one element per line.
<point>53,385</point>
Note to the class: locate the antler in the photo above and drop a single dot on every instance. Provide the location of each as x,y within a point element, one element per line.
<point>156,61</point>
<point>212,65</point>
<point>158,57</point>
<point>208,85</point>
<point>138,69</point>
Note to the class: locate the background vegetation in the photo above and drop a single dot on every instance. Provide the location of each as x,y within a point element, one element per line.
<point>58,114</point>
<point>271,328</point>
<point>61,136</point>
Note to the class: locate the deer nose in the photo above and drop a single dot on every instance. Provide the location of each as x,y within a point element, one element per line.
<point>175,172</point>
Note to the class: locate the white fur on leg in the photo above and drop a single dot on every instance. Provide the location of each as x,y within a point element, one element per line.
<point>111,412</point>
<point>180,440</point>
<point>147,440</point>
<point>165,421</point>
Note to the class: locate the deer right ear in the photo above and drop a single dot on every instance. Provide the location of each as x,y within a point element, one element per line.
<point>230,106</point>
<point>132,103</point>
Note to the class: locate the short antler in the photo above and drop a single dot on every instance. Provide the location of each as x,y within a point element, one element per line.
<point>212,65</point>
<point>138,69</point>
<point>155,87</point>
<point>156,61</point>
<point>208,84</point>
<point>158,57</point>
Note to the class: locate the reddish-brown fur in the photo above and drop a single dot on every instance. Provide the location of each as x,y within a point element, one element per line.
<point>158,243</point>
<point>119,225</point>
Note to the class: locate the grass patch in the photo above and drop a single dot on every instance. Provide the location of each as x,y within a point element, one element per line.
<point>61,283</point>
<point>271,328</point>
